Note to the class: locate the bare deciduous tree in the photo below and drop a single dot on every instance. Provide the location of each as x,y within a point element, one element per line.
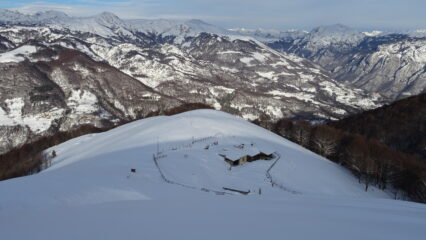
<point>301,132</point>
<point>325,140</point>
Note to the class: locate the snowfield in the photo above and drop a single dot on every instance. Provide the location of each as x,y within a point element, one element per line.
<point>37,123</point>
<point>18,54</point>
<point>89,192</point>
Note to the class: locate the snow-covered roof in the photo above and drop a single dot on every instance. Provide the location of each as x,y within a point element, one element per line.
<point>234,153</point>
<point>252,151</point>
<point>267,150</point>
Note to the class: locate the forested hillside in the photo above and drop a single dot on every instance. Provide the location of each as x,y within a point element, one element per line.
<point>400,125</point>
<point>384,147</point>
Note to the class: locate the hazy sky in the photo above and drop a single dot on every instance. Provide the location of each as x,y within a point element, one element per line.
<point>280,14</point>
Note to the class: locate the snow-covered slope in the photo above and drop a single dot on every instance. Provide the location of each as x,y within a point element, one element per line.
<point>322,44</point>
<point>237,75</point>
<point>269,35</point>
<point>90,192</point>
<point>175,28</point>
<point>17,55</point>
<point>104,24</point>
<point>337,34</point>
<point>182,140</point>
<point>393,66</point>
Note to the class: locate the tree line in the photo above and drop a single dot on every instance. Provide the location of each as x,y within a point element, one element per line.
<point>400,125</point>
<point>373,162</point>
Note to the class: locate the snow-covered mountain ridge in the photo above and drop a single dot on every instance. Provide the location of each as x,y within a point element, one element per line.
<point>90,180</point>
<point>269,35</point>
<point>107,24</point>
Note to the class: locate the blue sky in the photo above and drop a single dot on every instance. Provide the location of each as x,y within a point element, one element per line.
<point>279,14</point>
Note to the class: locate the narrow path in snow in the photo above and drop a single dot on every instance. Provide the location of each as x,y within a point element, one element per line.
<point>273,182</point>
<point>155,158</point>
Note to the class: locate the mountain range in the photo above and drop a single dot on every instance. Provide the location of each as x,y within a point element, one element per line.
<point>392,64</point>
<point>62,71</point>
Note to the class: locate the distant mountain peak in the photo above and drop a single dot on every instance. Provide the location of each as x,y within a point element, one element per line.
<point>9,16</point>
<point>51,13</point>
<point>177,28</point>
<point>197,21</point>
<point>107,15</point>
<point>270,35</point>
<point>109,19</point>
<point>334,28</point>
<point>324,36</point>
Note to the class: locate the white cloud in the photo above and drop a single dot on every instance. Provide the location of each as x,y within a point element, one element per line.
<point>125,9</point>
<point>282,14</point>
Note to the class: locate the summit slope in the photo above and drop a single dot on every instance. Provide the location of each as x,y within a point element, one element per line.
<point>91,189</point>
<point>181,142</point>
